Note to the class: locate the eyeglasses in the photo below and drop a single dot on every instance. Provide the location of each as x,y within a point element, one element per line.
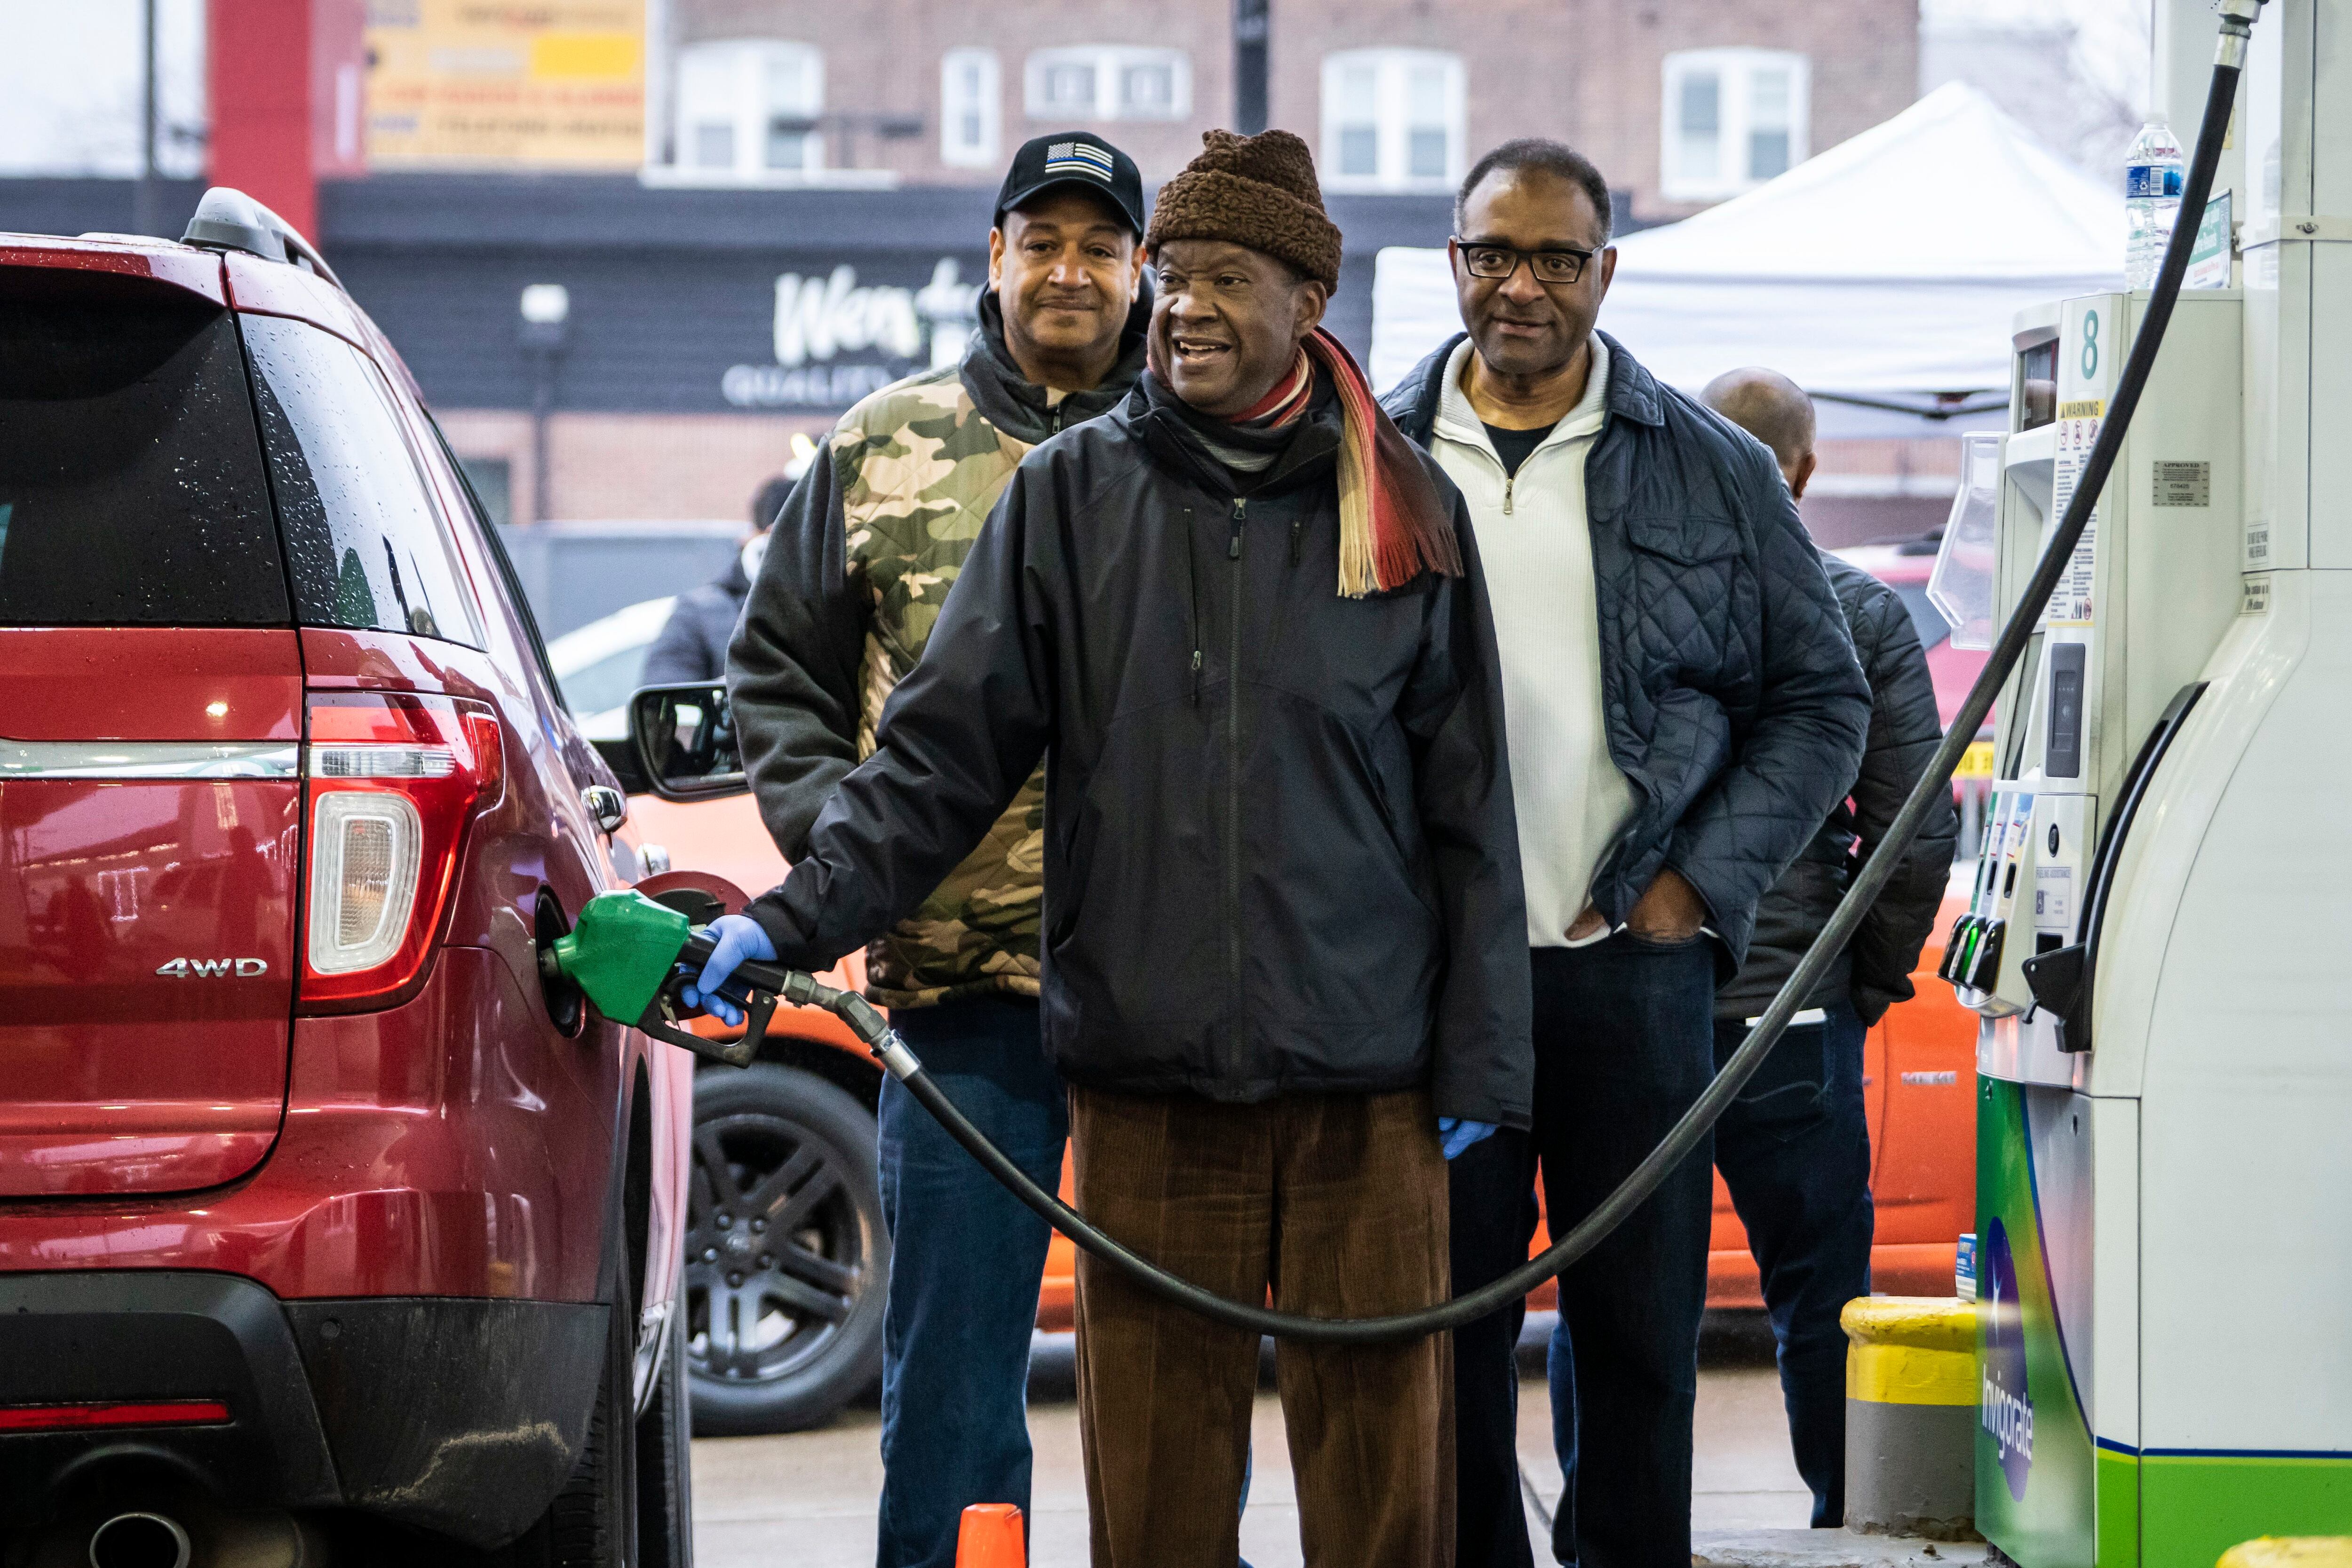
<point>1501,262</point>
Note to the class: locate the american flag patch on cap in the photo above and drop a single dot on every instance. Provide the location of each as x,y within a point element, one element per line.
<point>1078,158</point>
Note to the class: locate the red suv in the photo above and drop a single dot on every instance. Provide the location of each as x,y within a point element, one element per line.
<point>324,1222</point>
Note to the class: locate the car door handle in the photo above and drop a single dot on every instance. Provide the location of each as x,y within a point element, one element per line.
<point>607,806</point>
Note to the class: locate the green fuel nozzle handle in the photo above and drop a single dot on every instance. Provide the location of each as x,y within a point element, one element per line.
<point>632,957</point>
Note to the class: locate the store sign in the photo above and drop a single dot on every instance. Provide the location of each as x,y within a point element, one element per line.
<point>506,84</point>
<point>837,340</point>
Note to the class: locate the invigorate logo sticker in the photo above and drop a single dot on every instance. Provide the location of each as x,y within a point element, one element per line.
<point>2005,1409</point>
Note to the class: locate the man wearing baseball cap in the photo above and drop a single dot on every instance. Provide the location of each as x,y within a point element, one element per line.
<point>1241,619</point>
<point>864,552</point>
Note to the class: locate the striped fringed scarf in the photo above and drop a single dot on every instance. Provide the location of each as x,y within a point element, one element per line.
<point>1392,527</point>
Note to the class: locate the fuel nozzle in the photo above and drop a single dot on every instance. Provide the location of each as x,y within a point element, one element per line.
<point>633,957</point>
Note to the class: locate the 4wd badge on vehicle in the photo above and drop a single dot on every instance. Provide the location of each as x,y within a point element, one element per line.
<point>215,968</point>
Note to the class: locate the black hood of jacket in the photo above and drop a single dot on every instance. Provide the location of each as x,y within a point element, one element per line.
<point>1017,405</point>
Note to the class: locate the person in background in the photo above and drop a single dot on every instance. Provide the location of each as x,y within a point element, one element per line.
<point>693,641</point>
<point>1684,709</point>
<point>1793,1149</point>
<point>1242,621</point>
<point>870,543</point>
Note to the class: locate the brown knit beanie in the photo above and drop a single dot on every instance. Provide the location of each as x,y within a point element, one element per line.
<point>1255,191</point>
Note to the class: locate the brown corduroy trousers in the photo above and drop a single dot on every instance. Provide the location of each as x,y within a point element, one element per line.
<point>1338,1204</point>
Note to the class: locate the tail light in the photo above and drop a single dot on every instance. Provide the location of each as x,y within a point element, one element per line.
<point>391,781</point>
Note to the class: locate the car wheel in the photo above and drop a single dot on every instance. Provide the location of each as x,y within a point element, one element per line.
<point>664,1460</point>
<point>592,1523</point>
<point>787,1259</point>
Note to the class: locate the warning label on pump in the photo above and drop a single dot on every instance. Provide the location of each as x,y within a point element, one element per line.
<point>2078,430</point>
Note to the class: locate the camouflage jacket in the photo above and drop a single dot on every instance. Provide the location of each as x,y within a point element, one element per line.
<point>856,571</point>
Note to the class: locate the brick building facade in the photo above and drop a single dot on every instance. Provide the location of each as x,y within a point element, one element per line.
<point>1679,101</point>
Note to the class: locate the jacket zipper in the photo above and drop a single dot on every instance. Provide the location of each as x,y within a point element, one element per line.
<point>1234,791</point>
<point>1193,586</point>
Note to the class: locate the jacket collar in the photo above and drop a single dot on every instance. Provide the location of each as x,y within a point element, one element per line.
<point>1413,403</point>
<point>1458,420</point>
<point>1018,407</point>
<point>1166,429</point>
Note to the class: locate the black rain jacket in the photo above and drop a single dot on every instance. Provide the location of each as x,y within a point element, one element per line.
<point>1280,850</point>
<point>693,641</point>
<point>1728,686</point>
<point>1874,970</point>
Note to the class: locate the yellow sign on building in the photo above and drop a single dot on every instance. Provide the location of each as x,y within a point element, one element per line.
<point>557,84</point>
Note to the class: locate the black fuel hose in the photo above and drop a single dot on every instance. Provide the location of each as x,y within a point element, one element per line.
<point>1681,1142</point>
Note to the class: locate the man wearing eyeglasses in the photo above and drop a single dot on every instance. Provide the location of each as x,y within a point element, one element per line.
<point>1683,709</point>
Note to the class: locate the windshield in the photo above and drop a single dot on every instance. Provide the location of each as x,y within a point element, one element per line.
<point>608,682</point>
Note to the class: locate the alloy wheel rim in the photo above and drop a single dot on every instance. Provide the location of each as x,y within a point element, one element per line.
<point>775,1249</point>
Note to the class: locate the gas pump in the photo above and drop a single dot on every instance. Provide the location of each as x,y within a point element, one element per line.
<point>2158,943</point>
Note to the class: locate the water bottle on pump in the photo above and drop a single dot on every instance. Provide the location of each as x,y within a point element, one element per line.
<point>2152,174</point>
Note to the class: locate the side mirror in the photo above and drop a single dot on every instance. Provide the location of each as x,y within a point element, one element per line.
<point>685,738</point>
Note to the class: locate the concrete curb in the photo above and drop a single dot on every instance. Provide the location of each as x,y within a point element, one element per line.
<point>1829,1549</point>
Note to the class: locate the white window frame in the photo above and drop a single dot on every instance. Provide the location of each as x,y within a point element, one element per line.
<point>1394,120</point>
<point>744,105</point>
<point>976,69</point>
<point>1734,70</point>
<point>1111,63</point>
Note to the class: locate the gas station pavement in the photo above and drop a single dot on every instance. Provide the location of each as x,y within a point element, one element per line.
<point>808,1498</point>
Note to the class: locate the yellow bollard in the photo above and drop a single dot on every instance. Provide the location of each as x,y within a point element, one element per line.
<point>1910,1416</point>
<point>2290,1552</point>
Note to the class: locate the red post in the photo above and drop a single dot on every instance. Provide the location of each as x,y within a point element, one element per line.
<point>259,76</point>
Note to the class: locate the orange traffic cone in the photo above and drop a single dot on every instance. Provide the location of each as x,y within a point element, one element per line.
<point>991,1537</point>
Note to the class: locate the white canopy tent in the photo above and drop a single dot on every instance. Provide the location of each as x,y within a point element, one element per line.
<point>1887,269</point>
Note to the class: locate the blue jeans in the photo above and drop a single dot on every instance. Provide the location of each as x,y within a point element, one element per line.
<point>966,1260</point>
<point>1622,1038</point>
<point>1794,1150</point>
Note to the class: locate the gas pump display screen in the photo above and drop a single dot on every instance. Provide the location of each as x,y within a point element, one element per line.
<point>2064,757</point>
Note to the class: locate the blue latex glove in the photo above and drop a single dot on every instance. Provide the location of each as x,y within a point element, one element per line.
<point>740,938</point>
<point>1454,1134</point>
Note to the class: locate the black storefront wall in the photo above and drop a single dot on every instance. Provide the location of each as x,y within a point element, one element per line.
<point>669,331</point>
<point>708,301</point>
<point>675,294</point>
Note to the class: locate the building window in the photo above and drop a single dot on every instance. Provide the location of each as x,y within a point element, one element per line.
<point>1734,118</point>
<point>1108,82</point>
<point>971,107</point>
<point>1392,120</point>
<point>749,108</point>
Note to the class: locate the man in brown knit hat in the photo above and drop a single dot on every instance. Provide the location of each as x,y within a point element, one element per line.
<point>1285,955</point>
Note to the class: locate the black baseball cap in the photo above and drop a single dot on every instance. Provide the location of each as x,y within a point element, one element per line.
<point>1074,158</point>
